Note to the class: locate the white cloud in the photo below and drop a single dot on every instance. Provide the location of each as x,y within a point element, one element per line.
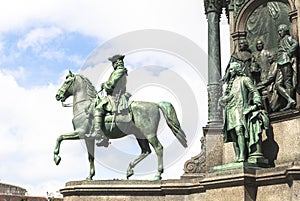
<point>18,73</point>
<point>52,54</point>
<point>38,37</point>
<point>30,122</point>
<point>76,59</point>
<point>1,46</point>
<point>31,119</point>
<point>107,19</point>
<point>59,55</point>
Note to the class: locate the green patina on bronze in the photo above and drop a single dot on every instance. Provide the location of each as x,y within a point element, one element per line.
<point>143,123</point>
<point>263,22</point>
<point>265,46</point>
<point>278,77</point>
<point>244,121</point>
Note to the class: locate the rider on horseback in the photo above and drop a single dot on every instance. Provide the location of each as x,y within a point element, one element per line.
<point>115,88</point>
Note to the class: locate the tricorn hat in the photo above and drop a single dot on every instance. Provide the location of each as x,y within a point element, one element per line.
<point>114,58</point>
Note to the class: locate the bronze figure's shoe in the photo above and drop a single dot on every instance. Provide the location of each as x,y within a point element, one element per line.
<point>290,105</point>
<point>241,160</point>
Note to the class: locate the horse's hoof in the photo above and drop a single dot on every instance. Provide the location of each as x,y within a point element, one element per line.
<point>57,159</point>
<point>129,173</point>
<point>156,178</point>
<point>89,178</point>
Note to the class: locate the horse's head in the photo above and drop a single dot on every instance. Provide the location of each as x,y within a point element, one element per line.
<point>66,90</point>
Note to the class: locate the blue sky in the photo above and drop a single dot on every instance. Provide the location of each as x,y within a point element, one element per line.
<point>40,53</point>
<point>41,40</point>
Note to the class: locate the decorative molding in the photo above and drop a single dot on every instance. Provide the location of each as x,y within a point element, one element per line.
<point>247,9</point>
<point>213,6</point>
<point>293,15</point>
<point>197,164</point>
<point>237,5</point>
<point>238,35</point>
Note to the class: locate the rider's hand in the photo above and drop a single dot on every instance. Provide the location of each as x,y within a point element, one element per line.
<point>102,86</point>
<point>97,101</point>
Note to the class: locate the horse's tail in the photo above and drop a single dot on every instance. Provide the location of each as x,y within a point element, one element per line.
<point>172,121</point>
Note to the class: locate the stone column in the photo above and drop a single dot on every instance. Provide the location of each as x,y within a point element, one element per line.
<point>212,140</point>
<point>212,132</point>
<point>213,10</point>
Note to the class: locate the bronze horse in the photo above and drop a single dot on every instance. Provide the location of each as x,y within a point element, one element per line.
<point>144,124</point>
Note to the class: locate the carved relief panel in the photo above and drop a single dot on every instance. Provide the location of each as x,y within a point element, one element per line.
<point>263,23</point>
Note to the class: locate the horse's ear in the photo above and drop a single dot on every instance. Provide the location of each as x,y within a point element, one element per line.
<point>70,73</point>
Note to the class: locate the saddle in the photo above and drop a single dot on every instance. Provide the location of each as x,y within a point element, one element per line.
<point>118,111</point>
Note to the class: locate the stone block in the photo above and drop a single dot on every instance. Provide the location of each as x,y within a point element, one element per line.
<point>281,144</point>
<point>214,146</point>
<point>138,190</point>
<point>236,193</point>
<point>229,155</point>
<point>271,192</point>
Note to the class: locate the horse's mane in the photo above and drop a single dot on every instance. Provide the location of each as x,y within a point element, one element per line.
<point>91,91</point>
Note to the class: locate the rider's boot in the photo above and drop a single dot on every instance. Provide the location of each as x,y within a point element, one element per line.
<point>98,133</point>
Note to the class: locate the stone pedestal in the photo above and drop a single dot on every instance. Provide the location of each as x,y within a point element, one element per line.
<point>257,165</point>
<point>214,146</point>
<point>128,190</point>
<point>281,144</point>
<point>270,184</point>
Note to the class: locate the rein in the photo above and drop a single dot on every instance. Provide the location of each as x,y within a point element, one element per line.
<point>71,104</point>
<point>80,101</point>
<point>67,104</point>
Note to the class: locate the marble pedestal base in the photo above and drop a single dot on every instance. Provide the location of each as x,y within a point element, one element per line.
<point>268,184</point>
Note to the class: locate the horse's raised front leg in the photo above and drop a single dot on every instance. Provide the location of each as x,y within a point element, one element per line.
<point>68,136</point>
<point>90,145</point>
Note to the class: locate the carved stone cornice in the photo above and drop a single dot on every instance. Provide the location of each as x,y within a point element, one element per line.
<point>213,6</point>
<point>217,6</point>
<point>238,36</point>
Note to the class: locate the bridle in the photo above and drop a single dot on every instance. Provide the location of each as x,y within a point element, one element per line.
<point>65,87</point>
<point>67,84</point>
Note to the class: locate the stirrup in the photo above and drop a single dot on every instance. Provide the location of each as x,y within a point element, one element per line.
<point>103,143</point>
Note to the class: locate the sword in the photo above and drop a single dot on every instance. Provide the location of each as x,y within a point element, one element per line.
<point>115,113</point>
